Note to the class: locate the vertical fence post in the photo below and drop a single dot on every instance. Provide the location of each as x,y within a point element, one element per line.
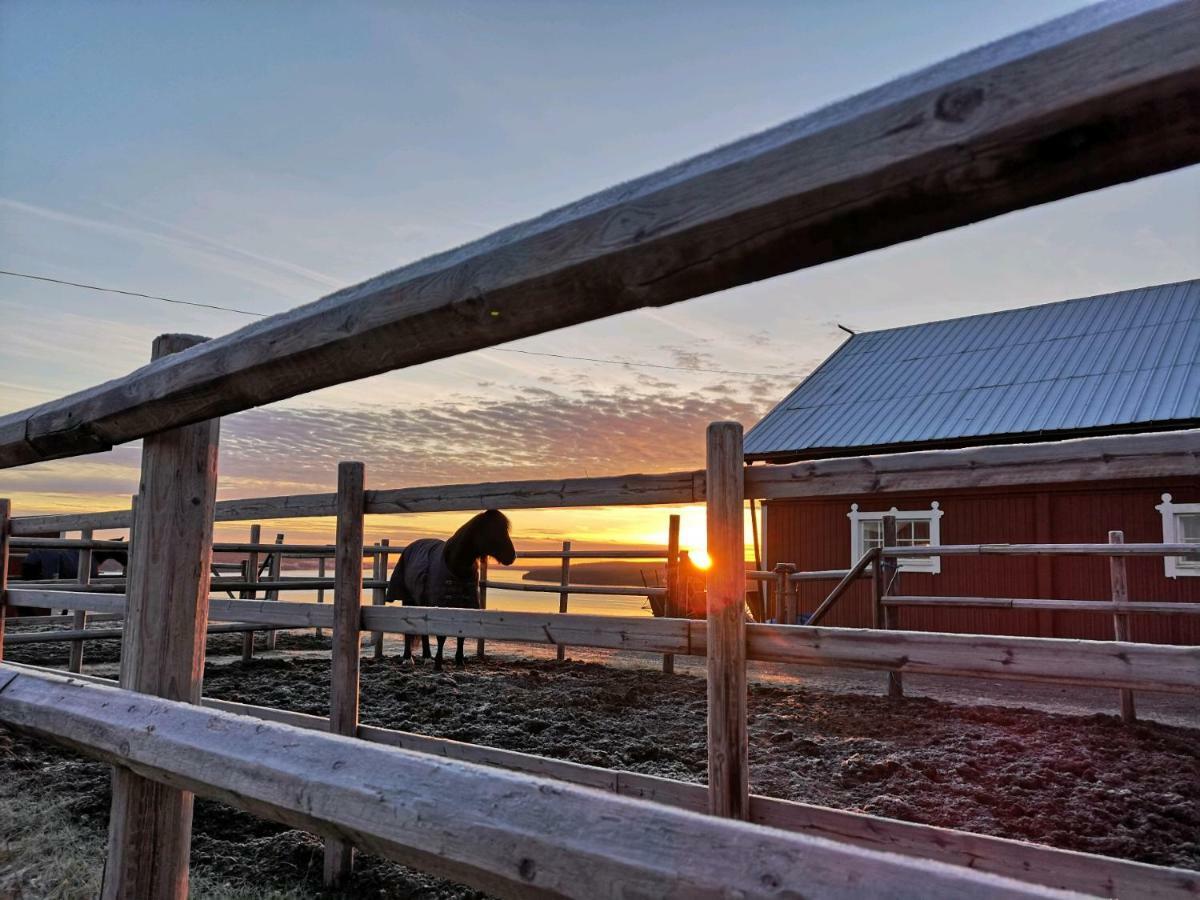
<point>250,593</point>
<point>5,516</point>
<point>1120,594</point>
<point>273,594</point>
<point>563,595</point>
<point>320,591</point>
<point>80,620</point>
<point>763,589</point>
<point>889,566</point>
<point>483,575</point>
<point>683,576</point>
<point>728,749</point>
<point>347,623</point>
<point>379,595</point>
<point>781,592</point>
<point>671,605</point>
<point>162,651</point>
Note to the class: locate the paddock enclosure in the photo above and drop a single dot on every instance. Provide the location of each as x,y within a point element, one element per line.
<point>1105,95</point>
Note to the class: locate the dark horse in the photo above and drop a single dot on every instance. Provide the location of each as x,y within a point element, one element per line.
<point>45,563</point>
<point>446,573</point>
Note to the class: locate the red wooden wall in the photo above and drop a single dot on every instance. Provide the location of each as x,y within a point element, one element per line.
<point>815,534</point>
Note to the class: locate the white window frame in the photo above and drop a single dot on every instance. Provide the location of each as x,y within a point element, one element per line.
<point>931,565</point>
<point>1177,566</point>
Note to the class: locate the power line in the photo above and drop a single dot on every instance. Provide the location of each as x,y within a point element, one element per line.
<point>618,362</point>
<point>247,312</point>
<point>93,287</point>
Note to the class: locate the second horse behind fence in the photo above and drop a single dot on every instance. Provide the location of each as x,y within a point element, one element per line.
<point>433,572</point>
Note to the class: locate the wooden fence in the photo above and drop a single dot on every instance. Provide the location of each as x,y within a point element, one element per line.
<point>1102,96</point>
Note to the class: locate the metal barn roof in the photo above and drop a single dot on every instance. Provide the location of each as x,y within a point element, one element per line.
<point>1128,361</point>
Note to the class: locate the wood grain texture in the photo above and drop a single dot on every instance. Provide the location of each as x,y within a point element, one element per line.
<point>1120,597</point>
<point>564,595</point>
<point>1010,465</point>
<point>75,661</point>
<point>728,742</point>
<point>249,592</point>
<point>671,601</point>
<point>5,530</point>
<point>1102,96</point>
<point>1063,869</point>
<point>1137,606</point>
<point>162,651</point>
<point>888,614</point>
<point>1051,660</point>
<point>274,574</point>
<point>344,666</point>
<point>505,832</point>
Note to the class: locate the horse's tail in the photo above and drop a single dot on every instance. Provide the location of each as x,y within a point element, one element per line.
<point>395,589</point>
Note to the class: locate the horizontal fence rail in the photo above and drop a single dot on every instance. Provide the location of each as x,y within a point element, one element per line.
<point>1153,667</point>
<point>506,832</point>
<point>1101,606</point>
<point>1083,459</point>
<point>1062,869</point>
<point>327,550</point>
<point>1042,550</point>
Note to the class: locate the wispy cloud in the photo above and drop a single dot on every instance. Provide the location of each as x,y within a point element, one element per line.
<point>278,276</point>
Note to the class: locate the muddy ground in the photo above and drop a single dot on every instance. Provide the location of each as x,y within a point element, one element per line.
<point>1078,782</point>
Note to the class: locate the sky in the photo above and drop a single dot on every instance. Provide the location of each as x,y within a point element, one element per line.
<point>261,155</point>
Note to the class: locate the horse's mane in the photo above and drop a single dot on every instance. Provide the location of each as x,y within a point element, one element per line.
<point>473,539</point>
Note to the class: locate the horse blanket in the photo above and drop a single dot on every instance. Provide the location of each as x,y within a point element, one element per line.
<point>44,563</point>
<point>422,578</point>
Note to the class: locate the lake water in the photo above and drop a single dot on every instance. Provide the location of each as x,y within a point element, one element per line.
<point>498,598</point>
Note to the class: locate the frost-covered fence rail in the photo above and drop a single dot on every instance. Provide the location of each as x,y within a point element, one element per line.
<point>506,832</point>
<point>1055,660</point>
<point>1063,869</point>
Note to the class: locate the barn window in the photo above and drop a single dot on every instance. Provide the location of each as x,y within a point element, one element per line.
<point>914,528</point>
<point>1181,525</point>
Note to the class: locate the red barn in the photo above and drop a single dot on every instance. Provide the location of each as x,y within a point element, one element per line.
<point>1112,364</point>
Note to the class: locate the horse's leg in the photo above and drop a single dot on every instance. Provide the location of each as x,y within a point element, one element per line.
<point>459,662</point>
<point>437,660</point>
<point>425,646</point>
<point>407,659</point>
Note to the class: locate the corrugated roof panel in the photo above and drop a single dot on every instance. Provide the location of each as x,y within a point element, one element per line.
<point>1116,360</point>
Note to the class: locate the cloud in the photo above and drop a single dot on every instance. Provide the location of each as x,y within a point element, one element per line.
<point>537,433</point>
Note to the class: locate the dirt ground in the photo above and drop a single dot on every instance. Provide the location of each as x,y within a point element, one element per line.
<point>1081,782</point>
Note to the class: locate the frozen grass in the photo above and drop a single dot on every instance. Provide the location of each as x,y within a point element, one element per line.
<point>46,854</point>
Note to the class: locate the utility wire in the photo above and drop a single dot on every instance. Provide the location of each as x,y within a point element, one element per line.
<point>617,362</point>
<point>93,287</point>
<point>247,312</point>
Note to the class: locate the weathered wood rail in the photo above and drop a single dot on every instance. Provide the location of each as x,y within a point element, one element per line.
<point>1155,667</point>
<point>1062,869</point>
<point>1105,95</point>
<point>501,830</point>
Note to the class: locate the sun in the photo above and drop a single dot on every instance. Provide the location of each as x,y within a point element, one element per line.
<point>700,558</point>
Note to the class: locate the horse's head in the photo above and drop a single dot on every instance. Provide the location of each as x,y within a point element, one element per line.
<point>493,538</point>
<point>121,557</point>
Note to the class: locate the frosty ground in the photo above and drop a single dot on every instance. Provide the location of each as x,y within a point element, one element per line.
<point>974,755</point>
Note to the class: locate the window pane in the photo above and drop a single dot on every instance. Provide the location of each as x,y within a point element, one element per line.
<point>1188,529</point>
<point>872,534</point>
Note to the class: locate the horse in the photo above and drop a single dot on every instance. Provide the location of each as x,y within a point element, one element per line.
<point>44,563</point>
<point>433,572</point>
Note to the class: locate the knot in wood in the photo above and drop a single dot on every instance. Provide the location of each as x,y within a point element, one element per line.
<point>957,104</point>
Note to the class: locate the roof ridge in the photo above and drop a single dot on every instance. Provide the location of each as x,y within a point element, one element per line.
<point>1031,306</point>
